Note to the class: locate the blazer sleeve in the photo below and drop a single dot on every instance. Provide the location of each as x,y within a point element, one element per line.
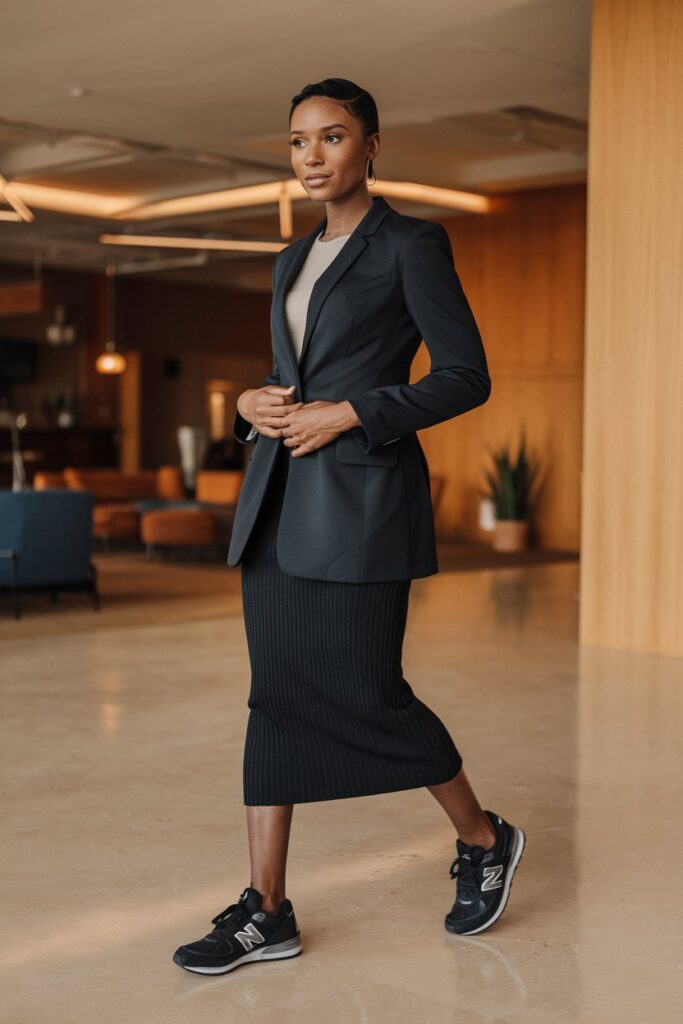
<point>458,379</point>
<point>242,429</point>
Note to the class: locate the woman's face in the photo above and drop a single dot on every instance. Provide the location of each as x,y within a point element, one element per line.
<point>328,142</point>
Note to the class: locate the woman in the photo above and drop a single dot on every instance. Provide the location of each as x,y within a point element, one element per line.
<point>333,522</point>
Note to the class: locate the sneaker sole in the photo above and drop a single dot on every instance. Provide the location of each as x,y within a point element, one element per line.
<point>280,951</point>
<point>517,850</point>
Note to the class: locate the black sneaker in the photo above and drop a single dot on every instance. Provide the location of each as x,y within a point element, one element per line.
<point>243,932</point>
<point>484,878</point>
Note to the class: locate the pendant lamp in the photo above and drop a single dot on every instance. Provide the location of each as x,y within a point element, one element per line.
<point>110,361</point>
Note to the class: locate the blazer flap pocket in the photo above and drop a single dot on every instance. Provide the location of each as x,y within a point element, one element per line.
<point>348,450</point>
<point>371,282</point>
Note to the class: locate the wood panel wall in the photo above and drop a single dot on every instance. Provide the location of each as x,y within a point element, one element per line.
<point>632,551</point>
<point>523,271</point>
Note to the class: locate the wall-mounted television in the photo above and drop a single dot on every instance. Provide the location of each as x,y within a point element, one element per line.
<point>17,360</point>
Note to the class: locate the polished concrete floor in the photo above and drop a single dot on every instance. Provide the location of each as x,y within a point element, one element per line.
<point>124,827</point>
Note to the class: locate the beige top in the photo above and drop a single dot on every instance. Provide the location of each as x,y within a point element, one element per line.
<point>319,257</point>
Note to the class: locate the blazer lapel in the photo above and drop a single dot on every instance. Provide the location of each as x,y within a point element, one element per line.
<point>347,255</point>
<point>287,356</point>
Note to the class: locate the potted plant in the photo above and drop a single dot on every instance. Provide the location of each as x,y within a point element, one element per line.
<point>510,492</point>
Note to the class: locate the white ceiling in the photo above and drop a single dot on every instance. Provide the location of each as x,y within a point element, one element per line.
<point>165,99</point>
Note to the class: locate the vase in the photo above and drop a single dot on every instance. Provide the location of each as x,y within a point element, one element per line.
<point>510,534</point>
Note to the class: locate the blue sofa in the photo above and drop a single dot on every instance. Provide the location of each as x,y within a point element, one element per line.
<point>46,543</point>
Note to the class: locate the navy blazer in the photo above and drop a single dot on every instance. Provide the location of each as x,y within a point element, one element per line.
<point>359,509</point>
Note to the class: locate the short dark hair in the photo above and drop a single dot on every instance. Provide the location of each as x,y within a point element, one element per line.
<point>359,103</point>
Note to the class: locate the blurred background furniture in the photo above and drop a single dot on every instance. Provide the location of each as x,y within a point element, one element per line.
<point>167,528</point>
<point>112,485</point>
<point>119,497</point>
<point>46,543</point>
<point>206,521</point>
<point>115,522</point>
<point>218,486</point>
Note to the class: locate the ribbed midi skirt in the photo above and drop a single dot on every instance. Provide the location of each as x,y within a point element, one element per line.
<point>331,714</point>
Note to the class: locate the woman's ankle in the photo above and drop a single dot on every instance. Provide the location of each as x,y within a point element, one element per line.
<point>485,837</point>
<point>270,902</point>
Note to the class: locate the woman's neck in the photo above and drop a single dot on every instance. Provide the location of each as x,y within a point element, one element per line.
<point>343,218</point>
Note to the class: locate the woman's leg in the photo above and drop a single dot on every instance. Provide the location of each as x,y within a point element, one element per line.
<point>462,807</point>
<point>268,829</point>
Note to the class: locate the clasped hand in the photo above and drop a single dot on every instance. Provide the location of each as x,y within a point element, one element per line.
<point>304,426</point>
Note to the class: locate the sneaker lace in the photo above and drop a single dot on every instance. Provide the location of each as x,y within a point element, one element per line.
<point>468,887</point>
<point>236,914</point>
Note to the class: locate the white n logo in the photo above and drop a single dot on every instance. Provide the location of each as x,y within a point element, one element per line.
<point>492,879</point>
<point>250,937</point>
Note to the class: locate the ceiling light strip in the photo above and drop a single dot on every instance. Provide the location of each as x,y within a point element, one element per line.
<point>280,193</point>
<point>168,242</point>
<point>291,189</point>
<point>9,193</point>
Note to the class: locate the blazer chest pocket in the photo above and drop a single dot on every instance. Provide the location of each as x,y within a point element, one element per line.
<point>348,450</point>
<point>369,283</point>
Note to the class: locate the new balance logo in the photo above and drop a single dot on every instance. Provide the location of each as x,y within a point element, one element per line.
<point>250,936</point>
<point>492,879</point>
